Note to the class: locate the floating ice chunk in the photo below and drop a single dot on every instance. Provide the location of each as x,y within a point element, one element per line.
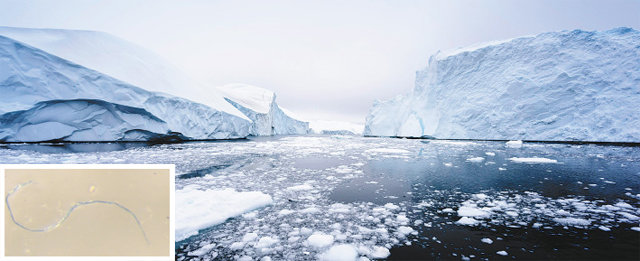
<point>379,252</point>
<point>387,151</point>
<point>475,159</point>
<point>320,240</point>
<point>532,160</point>
<point>199,209</point>
<point>237,245</point>
<point>623,205</point>
<point>511,213</point>
<point>202,250</point>
<point>285,212</point>
<point>536,225</point>
<point>248,237</point>
<point>571,221</point>
<point>468,221</point>
<point>402,219</point>
<point>305,231</point>
<point>470,211</point>
<point>300,187</point>
<point>342,252</point>
<point>448,210</point>
<point>310,210</point>
<point>339,208</point>
<point>502,253</point>
<point>250,215</point>
<point>603,228</point>
<point>487,241</point>
<point>502,169</point>
<point>488,153</point>
<point>404,230</point>
<point>516,144</point>
<point>636,229</point>
<point>391,206</point>
<point>480,196</point>
<point>266,242</point>
<point>628,216</point>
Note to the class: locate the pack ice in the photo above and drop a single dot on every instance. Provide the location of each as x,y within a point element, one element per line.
<point>260,106</point>
<point>45,97</point>
<point>568,85</point>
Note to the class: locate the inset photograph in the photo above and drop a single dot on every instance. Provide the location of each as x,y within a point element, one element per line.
<point>87,212</point>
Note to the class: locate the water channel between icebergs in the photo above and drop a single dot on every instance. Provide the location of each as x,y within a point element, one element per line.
<point>318,197</point>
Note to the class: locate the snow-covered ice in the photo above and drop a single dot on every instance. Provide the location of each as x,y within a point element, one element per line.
<point>198,208</point>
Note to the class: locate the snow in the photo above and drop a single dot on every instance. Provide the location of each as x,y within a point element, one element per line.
<point>343,252</point>
<point>567,85</point>
<point>320,240</point>
<point>198,209</point>
<point>52,79</point>
<point>122,60</point>
<point>259,105</point>
<point>532,160</point>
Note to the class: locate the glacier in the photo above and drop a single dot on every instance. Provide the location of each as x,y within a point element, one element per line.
<point>29,76</point>
<point>259,105</point>
<point>558,86</point>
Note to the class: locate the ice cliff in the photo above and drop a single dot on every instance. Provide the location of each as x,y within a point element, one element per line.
<point>29,77</point>
<point>122,60</point>
<point>260,106</point>
<point>568,85</point>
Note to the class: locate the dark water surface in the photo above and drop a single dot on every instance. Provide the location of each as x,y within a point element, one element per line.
<point>585,204</point>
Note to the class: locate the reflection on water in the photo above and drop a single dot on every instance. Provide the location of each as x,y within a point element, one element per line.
<point>74,147</point>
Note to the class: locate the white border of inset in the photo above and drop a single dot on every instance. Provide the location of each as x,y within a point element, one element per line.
<point>172,209</point>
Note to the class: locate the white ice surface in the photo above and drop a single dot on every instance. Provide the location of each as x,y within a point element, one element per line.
<point>197,209</point>
<point>532,160</point>
<point>122,60</point>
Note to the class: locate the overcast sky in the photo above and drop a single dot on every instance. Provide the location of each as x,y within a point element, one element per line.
<point>324,59</point>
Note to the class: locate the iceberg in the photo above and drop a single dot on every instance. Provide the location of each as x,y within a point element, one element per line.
<point>259,105</point>
<point>122,60</point>
<point>560,86</point>
<point>29,76</point>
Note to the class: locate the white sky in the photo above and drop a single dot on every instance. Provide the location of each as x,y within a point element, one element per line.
<point>324,59</point>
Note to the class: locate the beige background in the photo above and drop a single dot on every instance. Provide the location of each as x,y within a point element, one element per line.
<point>90,230</point>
